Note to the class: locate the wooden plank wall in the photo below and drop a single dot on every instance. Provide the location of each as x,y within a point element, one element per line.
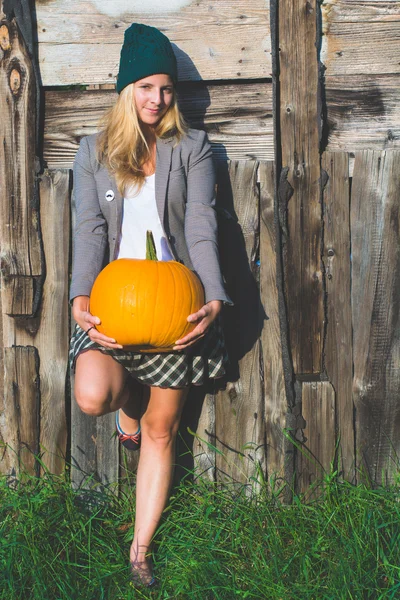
<point>310,251</point>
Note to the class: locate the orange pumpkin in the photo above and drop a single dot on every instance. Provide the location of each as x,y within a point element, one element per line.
<point>145,303</point>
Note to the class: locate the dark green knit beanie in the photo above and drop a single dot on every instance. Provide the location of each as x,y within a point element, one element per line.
<point>146,51</point>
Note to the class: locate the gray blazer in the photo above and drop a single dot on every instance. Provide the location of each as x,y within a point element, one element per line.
<point>185,197</point>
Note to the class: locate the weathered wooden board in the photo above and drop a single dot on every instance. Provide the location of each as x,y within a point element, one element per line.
<point>52,338</point>
<point>363,111</point>
<point>22,407</point>
<point>21,265</point>
<point>240,422</point>
<point>354,48</point>
<point>204,442</point>
<point>375,200</point>
<point>299,188</point>
<point>94,449</point>
<point>48,332</point>
<point>237,117</point>
<point>80,41</point>
<point>275,402</point>
<point>338,351</point>
<point>360,10</point>
<point>316,455</point>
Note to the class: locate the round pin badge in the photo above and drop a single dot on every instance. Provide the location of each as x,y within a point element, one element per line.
<point>110,195</point>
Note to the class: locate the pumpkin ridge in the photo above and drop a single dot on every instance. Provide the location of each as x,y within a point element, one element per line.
<point>187,276</point>
<point>167,334</point>
<point>154,307</point>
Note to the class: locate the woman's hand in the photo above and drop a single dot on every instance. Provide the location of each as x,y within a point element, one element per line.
<point>88,322</point>
<point>203,319</point>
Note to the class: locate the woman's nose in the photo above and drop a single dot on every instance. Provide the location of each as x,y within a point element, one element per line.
<point>157,97</point>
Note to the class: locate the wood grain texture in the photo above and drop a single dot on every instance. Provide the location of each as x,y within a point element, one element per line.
<point>375,234</point>
<point>338,346</point>
<point>94,448</point>
<point>48,331</point>
<point>52,339</point>
<point>359,10</point>
<point>204,441</point>
<point>22,407</point>
<point>240,422</point>
<point>299,189</point>
<point>355,48</point>
<point>362,112</point>
<point>238,119</point>
<point>275,401</point>
<point>318,451</point>
<point>21,260</point>
<point>212,40</point>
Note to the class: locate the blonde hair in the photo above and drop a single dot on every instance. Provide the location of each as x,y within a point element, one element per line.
<point>121,145</point>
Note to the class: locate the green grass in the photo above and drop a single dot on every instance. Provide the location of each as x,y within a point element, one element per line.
<point>213,543</point>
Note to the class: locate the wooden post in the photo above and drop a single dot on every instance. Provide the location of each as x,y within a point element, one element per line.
<point>299,181</point>
<point>294,33</point>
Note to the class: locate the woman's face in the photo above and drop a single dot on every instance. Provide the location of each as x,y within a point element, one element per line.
<point>153,96</point>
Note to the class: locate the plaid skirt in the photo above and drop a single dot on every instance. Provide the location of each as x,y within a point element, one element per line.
<point>207,359</point>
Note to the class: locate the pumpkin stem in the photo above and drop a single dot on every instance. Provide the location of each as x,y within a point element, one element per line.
<point>151,253</point>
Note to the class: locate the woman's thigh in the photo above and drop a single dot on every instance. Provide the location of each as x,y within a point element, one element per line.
<point>99,382</point>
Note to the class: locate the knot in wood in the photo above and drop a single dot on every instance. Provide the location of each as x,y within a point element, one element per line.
<point>4,38</point>
<point>331,252</point>
<point>309,8</point>
<point>15,81</point>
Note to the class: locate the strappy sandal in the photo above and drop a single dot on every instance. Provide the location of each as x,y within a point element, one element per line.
<point>130,441</point>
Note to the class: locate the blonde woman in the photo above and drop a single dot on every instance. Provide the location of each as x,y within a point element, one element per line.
<point>145,170</point>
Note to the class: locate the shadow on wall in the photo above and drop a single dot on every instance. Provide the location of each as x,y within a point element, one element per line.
<point>244,321</point>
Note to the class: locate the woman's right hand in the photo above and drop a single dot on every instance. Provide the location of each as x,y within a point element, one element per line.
<point>88,322</point>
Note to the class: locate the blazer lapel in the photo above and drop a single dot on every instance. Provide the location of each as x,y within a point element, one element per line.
<point>163,165</point>
<point>117,209</point>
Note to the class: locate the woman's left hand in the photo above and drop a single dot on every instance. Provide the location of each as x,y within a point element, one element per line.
<point>203,319</point>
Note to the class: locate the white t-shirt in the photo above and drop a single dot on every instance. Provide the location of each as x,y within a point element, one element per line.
<point>139,215</point>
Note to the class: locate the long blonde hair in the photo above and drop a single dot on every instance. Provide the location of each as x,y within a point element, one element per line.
<point>121,145</point>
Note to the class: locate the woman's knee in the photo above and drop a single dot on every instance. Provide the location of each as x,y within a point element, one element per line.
<point>92,400</point>
<point>162,433</point>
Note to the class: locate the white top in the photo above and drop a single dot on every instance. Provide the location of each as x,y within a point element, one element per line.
<point>139,215</point>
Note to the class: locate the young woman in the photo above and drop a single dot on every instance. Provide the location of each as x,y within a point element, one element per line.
<point>145,170</point>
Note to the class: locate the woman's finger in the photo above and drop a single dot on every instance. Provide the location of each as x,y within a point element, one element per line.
<point>192,337</point>
<point>187,345</point>
<point>103,340</point>
<point>200,314</point>
<point>90,319</point>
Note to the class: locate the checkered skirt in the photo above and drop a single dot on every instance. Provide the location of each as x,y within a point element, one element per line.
<point>207,359</point>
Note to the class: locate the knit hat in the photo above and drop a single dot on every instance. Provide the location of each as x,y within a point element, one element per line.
<point>146,51</point>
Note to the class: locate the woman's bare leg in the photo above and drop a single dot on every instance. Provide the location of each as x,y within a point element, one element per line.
<point>102,386</point>
<point>159,423</point>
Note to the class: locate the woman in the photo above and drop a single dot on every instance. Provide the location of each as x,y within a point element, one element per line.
<point>145,170</point>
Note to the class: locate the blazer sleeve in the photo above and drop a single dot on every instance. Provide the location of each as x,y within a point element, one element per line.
<point>201,229</point>
<point>90,235</point>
